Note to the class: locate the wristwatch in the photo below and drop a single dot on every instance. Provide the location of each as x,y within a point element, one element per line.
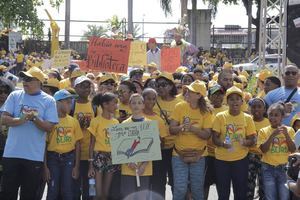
<point>34,118</point>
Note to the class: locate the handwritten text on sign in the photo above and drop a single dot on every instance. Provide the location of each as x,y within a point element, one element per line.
<point>170,59</point>
<point>61,58</point>
<point>137,56</point>
<point>107,55</point>
<point>135,142</point>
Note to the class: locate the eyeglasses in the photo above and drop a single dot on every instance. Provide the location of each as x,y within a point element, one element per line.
<point>162,85</point>
<point>288,73</point>
<point>27,79</point>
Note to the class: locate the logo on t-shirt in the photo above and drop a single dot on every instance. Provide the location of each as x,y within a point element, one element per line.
<point>25,109</point>
<point>84,119</point>
<point>279,145</point>
<point>63,135</point>
<point>234,132</point>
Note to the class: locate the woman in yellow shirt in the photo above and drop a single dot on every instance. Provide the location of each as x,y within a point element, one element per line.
<point>233,133</point>
<point>191,122</point>
<point>276,143</point>
<point>63,150</point>
<point>125,90</point>
<point>150,97</point>
<point>100,165</point>
<point>258,110</point>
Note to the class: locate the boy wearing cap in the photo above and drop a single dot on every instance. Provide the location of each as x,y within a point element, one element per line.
<point>84,112</point>
<point>153,54</point>
<point>29,113</point>
<point>233,133</point>
<point>63,150</point>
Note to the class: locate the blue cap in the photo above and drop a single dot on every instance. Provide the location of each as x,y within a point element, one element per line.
<point>63,94</point>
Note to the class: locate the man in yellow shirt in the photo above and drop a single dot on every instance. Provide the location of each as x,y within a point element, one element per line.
<point>19,63</point>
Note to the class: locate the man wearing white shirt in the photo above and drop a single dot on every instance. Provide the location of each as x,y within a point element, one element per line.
<point>153,54</point>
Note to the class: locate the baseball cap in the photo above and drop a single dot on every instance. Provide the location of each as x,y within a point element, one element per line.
<point>215,88</point>
<point>151,40</point>
<point>234,90</point>
<point>76,73</point>
<point>197,87</point>
<point>34,72</point>
<point>166,75</point>
<point>263,74</point>
<point>81,79</point>
<point>106,77</point>
<point>51,82</point>
<point>136,71</point>
<point>227,65</point>
<point>63,94</point>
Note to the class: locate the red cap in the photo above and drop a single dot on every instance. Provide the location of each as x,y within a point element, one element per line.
<point>151,40</point>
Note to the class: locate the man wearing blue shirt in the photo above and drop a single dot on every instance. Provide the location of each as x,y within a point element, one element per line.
<point>290,78</point>
<point>30,114</point>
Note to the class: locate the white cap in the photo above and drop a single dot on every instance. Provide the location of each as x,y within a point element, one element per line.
<point>81,79</point>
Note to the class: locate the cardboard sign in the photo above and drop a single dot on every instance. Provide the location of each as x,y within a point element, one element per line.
<point>13,39</point>
<point>82,65</point>
<point>170,59</point>
<point>107,55</point>
<point>61,58</point>
<point>135,142</point>
<point>137,55</point>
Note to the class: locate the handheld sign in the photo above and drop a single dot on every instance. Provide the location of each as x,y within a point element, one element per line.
<point>61,58</point>
<point>135,142</point>
<point>170,59</point>
<point>137,55</point>
<point>107,55</point>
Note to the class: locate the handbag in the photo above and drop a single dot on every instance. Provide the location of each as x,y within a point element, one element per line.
<point>189,156</point>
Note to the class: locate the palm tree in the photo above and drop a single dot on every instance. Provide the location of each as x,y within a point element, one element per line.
<point>94,30</point>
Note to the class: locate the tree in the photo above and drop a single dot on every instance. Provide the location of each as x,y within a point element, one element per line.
<point>23,14</point>
<point>94,30</point>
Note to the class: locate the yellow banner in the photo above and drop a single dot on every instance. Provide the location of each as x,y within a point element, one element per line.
<point>61,58</point>
<point>137,55</point>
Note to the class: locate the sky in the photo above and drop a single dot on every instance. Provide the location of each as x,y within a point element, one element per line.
<point>143,10</point>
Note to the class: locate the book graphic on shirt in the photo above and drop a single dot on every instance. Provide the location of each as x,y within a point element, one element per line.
<point>63,135</point>
<point>134,142</point>
<point>279,145</point>
<point>136,146</point>
<point>233,134</point>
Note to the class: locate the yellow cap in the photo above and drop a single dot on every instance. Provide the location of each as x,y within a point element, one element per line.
<point>34,72</point>
<point>243,78</point>
<point>239,85</point>
<point>145,76</point>
<point>263,74</point>
<point>234,90</point>
<point>107,77</point>
<point>182,69</point>
<point>295,118</point>
<point>197,87</point>
<point>166,75</point>
<point>77,73</point>
<point>215,76</point>
<point>152,64</point>
<point>52,82</point>
<point>227,65</point>
<point>3,67</point>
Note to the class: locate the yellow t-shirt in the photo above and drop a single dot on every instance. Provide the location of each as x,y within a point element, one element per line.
<point>65,134</point>
<point>180,96</point>
<point>98,128</point>
<point>163,129</point>
<point>167,108</point>
<point>234,127</point>
<point>187,140</point>
<point>261,94</point>
<point>210,145</point>
<point>84,113</point>
<point>65,83</point>
<point>259,125</point>
<point>20,58</point>
<point>123,110</point>
<point>278,152</point>
<point>125,170</point>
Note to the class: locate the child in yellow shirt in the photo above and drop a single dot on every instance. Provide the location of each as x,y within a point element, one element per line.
<point>100,165</point>
<point>63,150</point>
<point>276,143</point>
<point>143,169</point>
<point>233,133</point>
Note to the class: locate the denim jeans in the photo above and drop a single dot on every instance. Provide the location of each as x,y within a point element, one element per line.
<point>235,172</point>
<point>183,173</point>
<point>60,167</point>
<point>274,179</point>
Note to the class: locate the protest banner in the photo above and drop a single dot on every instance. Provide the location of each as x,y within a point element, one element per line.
<point>135,142</point>
<point>82,65</point>
<point>107,55</point>
<point>137,55</point>
<point>13,39</point>
<point>170,59</point>
<point>61,58</point>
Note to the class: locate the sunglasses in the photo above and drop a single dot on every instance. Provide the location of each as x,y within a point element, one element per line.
<point>162,85</point>
<point>288,73</point>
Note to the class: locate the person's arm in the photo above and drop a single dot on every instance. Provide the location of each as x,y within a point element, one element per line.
<point>91,172</point>
<point>289,141</point>
<point>42,125</point>
<point>218,142</point>
<point>249,141</point>
<point>264,147</point>
<point>292,185</point>
<point>204,134</point>
<point>175,128</point>
<point>75,172</point>
<point>9,120</point>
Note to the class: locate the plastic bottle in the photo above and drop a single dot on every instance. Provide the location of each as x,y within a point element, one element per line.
<point>92,187</point>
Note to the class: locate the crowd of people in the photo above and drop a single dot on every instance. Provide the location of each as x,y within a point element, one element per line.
<point>54,129</point>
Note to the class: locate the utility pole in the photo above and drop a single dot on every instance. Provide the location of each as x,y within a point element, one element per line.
<point>249,27</point>
<point>67,23</point>
<point>130,22</point>
<point>193,17</point>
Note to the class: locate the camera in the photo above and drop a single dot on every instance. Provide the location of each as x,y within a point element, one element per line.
<point>291,170</point>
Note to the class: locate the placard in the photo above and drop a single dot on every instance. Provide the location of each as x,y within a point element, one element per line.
<point>137,55</point>
<point>170,59</point>
<point>107,55</point>
<point>135,142</point>
<point>61,58</point>
<point>13,39</point>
